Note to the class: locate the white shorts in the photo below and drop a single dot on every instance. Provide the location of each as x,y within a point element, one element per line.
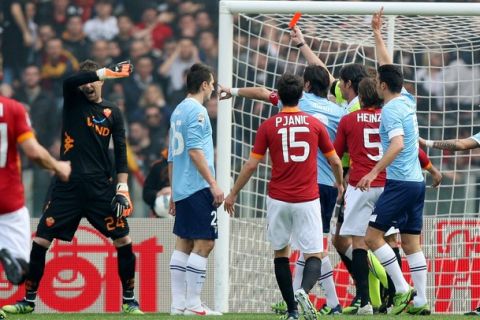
<point>15,234</point>
<point>298,224</point>
<point>358,209</point>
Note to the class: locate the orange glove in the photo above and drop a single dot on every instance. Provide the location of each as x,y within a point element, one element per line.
<point>121,203</point>
<point>120,70</point>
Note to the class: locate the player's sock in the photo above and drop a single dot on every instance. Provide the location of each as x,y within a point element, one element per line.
<point>195,278</point>
<point>387,257</point>
<point>396,250</point>
<point>36,268</point>
<point>326,282</point>
<point>311,273</point>
<point>297,278</point>
<point>126,271</point>
<point>361,274</point>
<point>418,270</point>
<point>284,281</point>
<point>178,268</point>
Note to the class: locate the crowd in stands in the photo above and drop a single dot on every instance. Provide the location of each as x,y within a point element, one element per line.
<point>43,42</point>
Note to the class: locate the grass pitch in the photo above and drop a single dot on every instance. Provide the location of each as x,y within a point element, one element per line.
<point>232,316</point>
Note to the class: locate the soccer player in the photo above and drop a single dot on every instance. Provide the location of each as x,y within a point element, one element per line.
<point>293,209</point>
<point>314,102</point>
<point>358,132</point>
<point>401,203</point>
<point>469,143</point>
<point>196,194</point>
<point>345,90</point>
<point>15,232</point>
<point>89,123</point>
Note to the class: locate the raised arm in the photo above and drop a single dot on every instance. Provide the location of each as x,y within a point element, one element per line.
<point>257,93</point>
<point>297,38</point>
<point>452,144</point>
<point>380,48</point>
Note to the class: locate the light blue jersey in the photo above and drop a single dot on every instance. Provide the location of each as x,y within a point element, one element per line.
<point>476,137</point>
<point>329,114</point>
<point>399,118</point>
<point>190,128</point>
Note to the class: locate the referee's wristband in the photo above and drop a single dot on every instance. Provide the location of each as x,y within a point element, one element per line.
<point>301,44</point>
<point>234,92</point>
<point>429,143</point>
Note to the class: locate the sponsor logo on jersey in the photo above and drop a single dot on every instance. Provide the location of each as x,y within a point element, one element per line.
<point>107,112</point>
<point>67,143</point>
<point>49,221</point>
<point>100,130</point>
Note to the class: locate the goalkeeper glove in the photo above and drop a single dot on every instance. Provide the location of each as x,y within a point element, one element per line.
<point>121,203</point>
<point>120,70</point>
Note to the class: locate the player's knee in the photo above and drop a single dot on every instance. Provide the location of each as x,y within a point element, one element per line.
<point>123,241</point>
<point>42,242</point>
<point>203,247</point>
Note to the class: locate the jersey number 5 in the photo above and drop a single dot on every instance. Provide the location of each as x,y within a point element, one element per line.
<point>367,133</point>
<point>289,141</point>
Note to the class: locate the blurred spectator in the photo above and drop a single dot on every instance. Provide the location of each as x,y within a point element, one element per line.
<point>208,46</point>
<point>43,114</point>
<point>100,53</point>
<point>203,21</point>
<point>184,56</point>
<point>114,52</point>
<point>134,86</point>
<point>154,29</point>
<point>16,39</point>
<point>75,40</point>
<point>45,122</point>
<point>56,63</point>
<point>141,145</point>
<point>138,49</point>
<point>157,123</point>
<point>56,13</point>
<point>104,25</point>
<point>30,11</point>
<point>187,28</point>
<point>124,37</point>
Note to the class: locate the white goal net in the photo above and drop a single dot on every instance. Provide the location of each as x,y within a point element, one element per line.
<point>440,59</point>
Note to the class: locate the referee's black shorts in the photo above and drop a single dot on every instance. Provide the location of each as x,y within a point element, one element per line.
<point>69,202</point>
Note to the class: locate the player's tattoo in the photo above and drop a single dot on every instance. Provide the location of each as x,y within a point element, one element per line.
<point>446,145</point>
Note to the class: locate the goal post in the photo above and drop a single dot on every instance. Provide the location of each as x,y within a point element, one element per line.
<point>437,46</point>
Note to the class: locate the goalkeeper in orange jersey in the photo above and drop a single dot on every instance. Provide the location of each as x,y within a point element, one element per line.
<point>89,122</point>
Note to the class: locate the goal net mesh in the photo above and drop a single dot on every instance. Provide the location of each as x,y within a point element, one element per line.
<point>440,58</point>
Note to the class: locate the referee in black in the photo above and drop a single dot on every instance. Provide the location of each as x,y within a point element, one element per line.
<point>89,122</point>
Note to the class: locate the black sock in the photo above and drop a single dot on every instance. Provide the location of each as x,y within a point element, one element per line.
<point>359,260</point>
<point>348,263</point>
<point>311,273</point>
<point>399,257</point>
<point>284,280</point>
<point>391,291</point>
<point>35,271</point>
<point>126,270</point>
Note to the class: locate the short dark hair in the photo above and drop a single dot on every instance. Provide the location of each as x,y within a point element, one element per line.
<point>355,73</point>
<point>198,74</point>
<point>367,94</point>
<point>392,76</point>
<point>319,79</point>
<point>290,89</point>
<point>89,65</point>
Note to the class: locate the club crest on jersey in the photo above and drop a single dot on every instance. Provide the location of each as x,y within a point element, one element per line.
<point>201,117</point>
<point>107,112</point>
<point>100,130</point>
<point>67,143</point>
<point>49,221</point>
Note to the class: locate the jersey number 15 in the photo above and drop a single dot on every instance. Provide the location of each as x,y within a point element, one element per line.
<point>289,141</point>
